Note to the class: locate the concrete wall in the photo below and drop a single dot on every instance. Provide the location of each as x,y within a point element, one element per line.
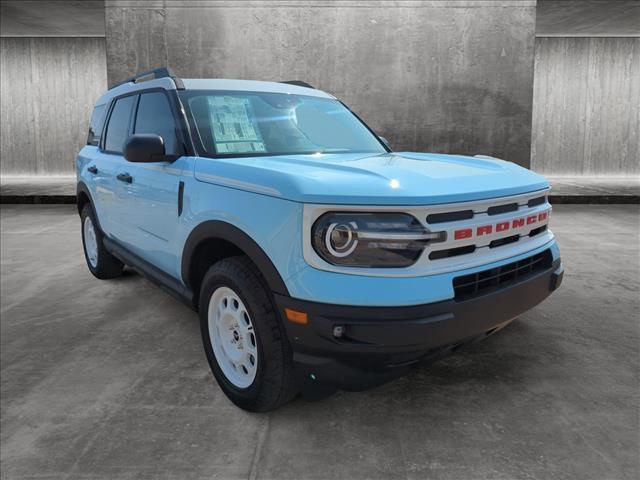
<point>48,86</point>
<point>586,116</point>
<point>429,75</point>
<point>588,18</point>
<point>52,18</point>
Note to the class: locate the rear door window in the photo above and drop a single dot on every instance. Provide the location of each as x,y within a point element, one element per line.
<point>155,116</point>
<point>118,127</point>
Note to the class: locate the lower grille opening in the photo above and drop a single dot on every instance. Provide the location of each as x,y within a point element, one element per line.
<point>481,283</point>
<point>452,252</point>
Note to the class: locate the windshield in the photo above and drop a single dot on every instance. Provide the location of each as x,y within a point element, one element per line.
<point>254,123</point>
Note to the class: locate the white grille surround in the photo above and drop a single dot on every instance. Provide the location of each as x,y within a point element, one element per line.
<point>485,251</point>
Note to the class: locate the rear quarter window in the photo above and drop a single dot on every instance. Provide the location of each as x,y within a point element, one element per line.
<point>95,125</point>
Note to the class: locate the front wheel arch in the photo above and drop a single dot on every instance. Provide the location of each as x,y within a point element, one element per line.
<point>231,241</point>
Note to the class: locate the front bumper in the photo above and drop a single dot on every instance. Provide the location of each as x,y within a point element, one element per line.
<point>380,343</point>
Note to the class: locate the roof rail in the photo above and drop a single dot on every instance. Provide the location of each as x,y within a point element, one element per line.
<point>163,72</point>
<point>299,83</point>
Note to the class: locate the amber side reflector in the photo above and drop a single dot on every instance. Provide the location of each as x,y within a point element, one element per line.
<point>296,317</point>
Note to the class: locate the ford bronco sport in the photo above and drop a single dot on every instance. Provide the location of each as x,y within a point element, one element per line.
<point>318,259</point>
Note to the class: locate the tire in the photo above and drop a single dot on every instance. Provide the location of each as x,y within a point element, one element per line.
<point>101,263</point>
<point>230,288</point>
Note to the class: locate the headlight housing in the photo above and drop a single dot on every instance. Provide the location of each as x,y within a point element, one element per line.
<point>371,240</point>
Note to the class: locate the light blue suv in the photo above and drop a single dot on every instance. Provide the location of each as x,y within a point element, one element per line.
<point>317,258</point>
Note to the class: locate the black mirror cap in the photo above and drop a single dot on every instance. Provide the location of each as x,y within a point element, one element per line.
<point>144,148</point>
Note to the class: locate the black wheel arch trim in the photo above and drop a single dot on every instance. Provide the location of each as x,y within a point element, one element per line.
<point>82,189</point>
<point>220,230</point>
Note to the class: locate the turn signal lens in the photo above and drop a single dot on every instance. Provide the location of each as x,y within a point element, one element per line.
<point>296,317</point>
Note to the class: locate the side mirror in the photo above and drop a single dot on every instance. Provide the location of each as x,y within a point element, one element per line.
<point>144,148</point>
<point>385,141</point>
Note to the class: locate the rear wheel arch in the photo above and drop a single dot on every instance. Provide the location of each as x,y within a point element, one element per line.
<point>215,240</point>
<point>82,197</point>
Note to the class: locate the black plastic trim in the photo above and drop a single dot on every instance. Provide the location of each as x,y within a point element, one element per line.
<point>536,201</point>
<point>298,83</point>
<point>380,343</point>
<point>215,229</point>
<point>165,281</point>
<point>449,216</point>
<point>451,252</point>
<point>504,241</point>
<point>81,188</point>
<point>502,277</point>
<point>180,197</point>
<point>538,230</point>
<point>498,209</point>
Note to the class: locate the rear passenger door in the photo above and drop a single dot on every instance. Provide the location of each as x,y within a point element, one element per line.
<point>109,159</point>
<point>151,200</point>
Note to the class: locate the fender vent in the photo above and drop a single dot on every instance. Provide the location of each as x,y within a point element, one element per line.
<point>481,283</point>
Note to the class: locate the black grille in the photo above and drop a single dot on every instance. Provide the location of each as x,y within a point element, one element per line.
<point>498,209</point>
<point>449,216</point>
<point>504,241</point>
<point>536,201</point>
<point>483,282</point>
<point>538,230</point>
<point>451,252</point>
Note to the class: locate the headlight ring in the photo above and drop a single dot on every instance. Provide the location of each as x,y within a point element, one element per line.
<point>341,239</point>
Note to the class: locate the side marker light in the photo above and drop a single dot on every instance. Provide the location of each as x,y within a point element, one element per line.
<point>294,316</point>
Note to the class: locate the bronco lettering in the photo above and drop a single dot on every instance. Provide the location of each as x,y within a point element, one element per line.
<point>481,230</point>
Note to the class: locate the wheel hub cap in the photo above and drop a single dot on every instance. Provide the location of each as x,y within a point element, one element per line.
<point>233,339</point>
<point>90,242</point>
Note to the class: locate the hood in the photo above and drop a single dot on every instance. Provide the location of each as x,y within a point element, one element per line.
<point>398,178</point>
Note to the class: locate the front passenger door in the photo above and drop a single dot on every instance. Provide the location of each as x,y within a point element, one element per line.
<point>151,198</point>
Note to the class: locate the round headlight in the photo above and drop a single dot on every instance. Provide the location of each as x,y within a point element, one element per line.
<point>341,239</point>
<point>369,239</point>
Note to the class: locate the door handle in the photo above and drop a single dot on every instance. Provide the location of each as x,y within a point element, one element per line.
<point>92,169</point>
<point>125,177</point>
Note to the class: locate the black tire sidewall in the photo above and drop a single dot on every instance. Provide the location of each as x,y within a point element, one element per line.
<point>107,266</point>
<point>87,211</point>
<point>235,279</point>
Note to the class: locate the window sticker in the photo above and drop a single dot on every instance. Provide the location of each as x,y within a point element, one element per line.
<point>234,126</point>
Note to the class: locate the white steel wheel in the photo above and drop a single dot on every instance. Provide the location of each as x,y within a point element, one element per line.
<point>90,242</point>
<point>233,339</point>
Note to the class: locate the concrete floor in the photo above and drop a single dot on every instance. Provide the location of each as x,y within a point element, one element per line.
<point>107,379</point>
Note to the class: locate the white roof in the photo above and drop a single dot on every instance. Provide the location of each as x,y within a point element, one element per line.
<point>214,84</point>
<point>250,86</point>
